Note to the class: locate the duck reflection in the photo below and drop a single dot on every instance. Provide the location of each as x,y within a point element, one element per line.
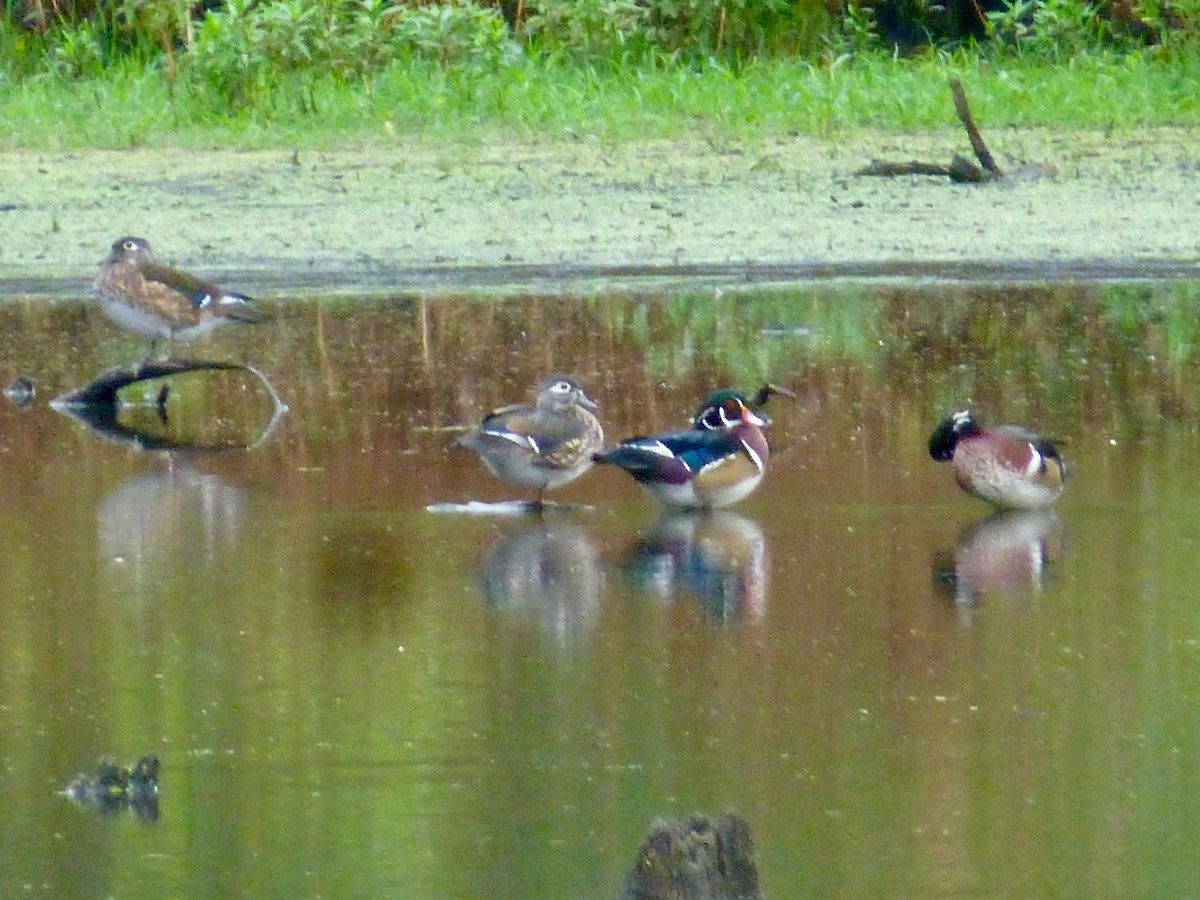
<point>1005,554</point>
<point>718,557</point>
<point>165,519</point>
<point>551,571</point>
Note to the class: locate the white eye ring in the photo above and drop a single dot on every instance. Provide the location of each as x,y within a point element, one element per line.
<point>129,245</point>
<point>563,387</point>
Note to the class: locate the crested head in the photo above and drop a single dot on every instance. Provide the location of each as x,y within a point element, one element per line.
<point>708,413</point>
<point>952,429</point>
<point>560,392</point>
<point>726,409</point>
<point>130,249</point>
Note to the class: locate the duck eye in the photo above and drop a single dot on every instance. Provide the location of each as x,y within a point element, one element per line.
<point>563,387</point>
<point>733,408</point>
<point>129,245</point>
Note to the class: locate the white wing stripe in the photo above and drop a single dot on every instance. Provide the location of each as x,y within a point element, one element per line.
<point>656,447</point>
<point>520,440</point>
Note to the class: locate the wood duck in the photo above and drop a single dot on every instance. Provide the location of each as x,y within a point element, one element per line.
<point>543,446</point>
<point>162,303</point>
<point>1006,465</point>
<point>718,462</point>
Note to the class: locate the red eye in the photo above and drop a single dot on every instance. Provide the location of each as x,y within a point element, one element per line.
<point>733,408</point>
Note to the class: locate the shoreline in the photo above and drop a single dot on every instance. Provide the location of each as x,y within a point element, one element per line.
<point>412,215</point>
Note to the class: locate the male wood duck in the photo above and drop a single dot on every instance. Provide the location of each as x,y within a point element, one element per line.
<point>159,302</point>
<point>543,446</point>
<point>1006,465</point>
<point>718,462</point>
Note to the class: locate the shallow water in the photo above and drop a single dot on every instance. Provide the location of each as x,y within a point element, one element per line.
<point>354,696</point>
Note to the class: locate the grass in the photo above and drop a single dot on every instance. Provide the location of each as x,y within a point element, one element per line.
<point>128,104</point>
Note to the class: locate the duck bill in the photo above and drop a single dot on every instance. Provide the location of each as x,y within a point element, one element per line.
<point>588,403</point>
<point>769,390</point>
<point>750,417</point>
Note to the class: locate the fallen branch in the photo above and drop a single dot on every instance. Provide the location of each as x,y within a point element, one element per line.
<point>964,115</point>
<point>912,167</point>
<point>960,169</point>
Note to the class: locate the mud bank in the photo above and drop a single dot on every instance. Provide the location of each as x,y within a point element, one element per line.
<point>415,215</point>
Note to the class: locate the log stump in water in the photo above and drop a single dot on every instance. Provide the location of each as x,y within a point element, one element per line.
<point>700,859</point>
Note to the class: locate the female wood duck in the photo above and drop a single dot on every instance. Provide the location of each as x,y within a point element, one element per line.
<point>1006,465</point>
<point>719,461</point>
<point>163,303</point>
<point>543,446</point>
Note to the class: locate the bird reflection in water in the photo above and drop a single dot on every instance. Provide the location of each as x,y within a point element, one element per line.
<point>718,557</point>
<point>550,571</point>
<point>1005,555</point>
<point>166,519</point>
<point>175,515</point>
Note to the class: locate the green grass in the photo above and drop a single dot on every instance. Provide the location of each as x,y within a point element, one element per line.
<point>128,104</point>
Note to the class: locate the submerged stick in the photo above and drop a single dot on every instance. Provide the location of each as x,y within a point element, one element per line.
<point>102,390</point>
<point>98,406</point>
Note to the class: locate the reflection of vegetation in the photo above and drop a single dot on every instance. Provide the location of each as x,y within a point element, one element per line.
<point>750,336</point>
<point>1009,348</point>
<point>1064,349</point>
<point>387,372</point>
<point>1061,351</point>
<point>1113,352</point>
<point>1159,321</point>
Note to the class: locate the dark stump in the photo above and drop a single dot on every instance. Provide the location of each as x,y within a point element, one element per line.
<point>700,859</point>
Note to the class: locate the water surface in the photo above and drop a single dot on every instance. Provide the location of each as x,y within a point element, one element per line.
<point>353,696</point>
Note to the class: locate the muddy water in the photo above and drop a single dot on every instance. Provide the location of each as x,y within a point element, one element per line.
<point>353,696</point>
